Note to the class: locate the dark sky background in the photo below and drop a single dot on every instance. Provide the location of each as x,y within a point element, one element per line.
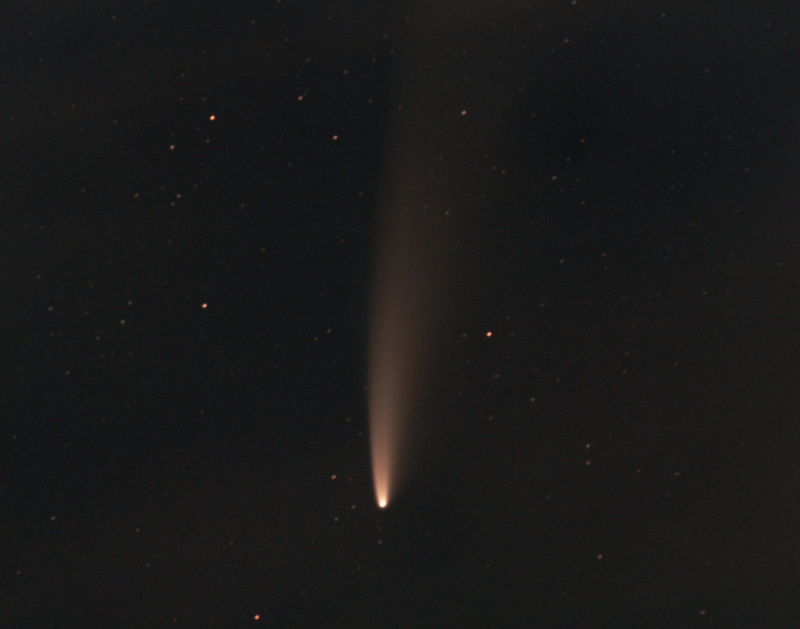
<point>189,200</point>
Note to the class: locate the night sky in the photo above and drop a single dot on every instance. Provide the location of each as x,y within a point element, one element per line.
<point>194,203</point>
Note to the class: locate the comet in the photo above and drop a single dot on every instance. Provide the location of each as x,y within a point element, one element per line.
<point>390,382</point>
<point>423,211</point>
<point>398,346</point>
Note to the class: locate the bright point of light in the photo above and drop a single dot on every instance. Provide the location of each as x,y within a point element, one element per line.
<point>381,474</point>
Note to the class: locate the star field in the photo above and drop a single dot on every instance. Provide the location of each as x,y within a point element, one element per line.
<point>592,211</point>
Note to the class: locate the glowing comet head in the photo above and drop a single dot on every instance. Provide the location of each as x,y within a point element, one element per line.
<point>407,302</point>
<point>381,460</point>
<point>381,477</point>
<point>381,488</point>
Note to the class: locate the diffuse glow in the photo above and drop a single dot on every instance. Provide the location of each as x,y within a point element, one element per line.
<point>411,288</point>
<point>393,371</point>
<point>384,422</point>
<point>406,300</point>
